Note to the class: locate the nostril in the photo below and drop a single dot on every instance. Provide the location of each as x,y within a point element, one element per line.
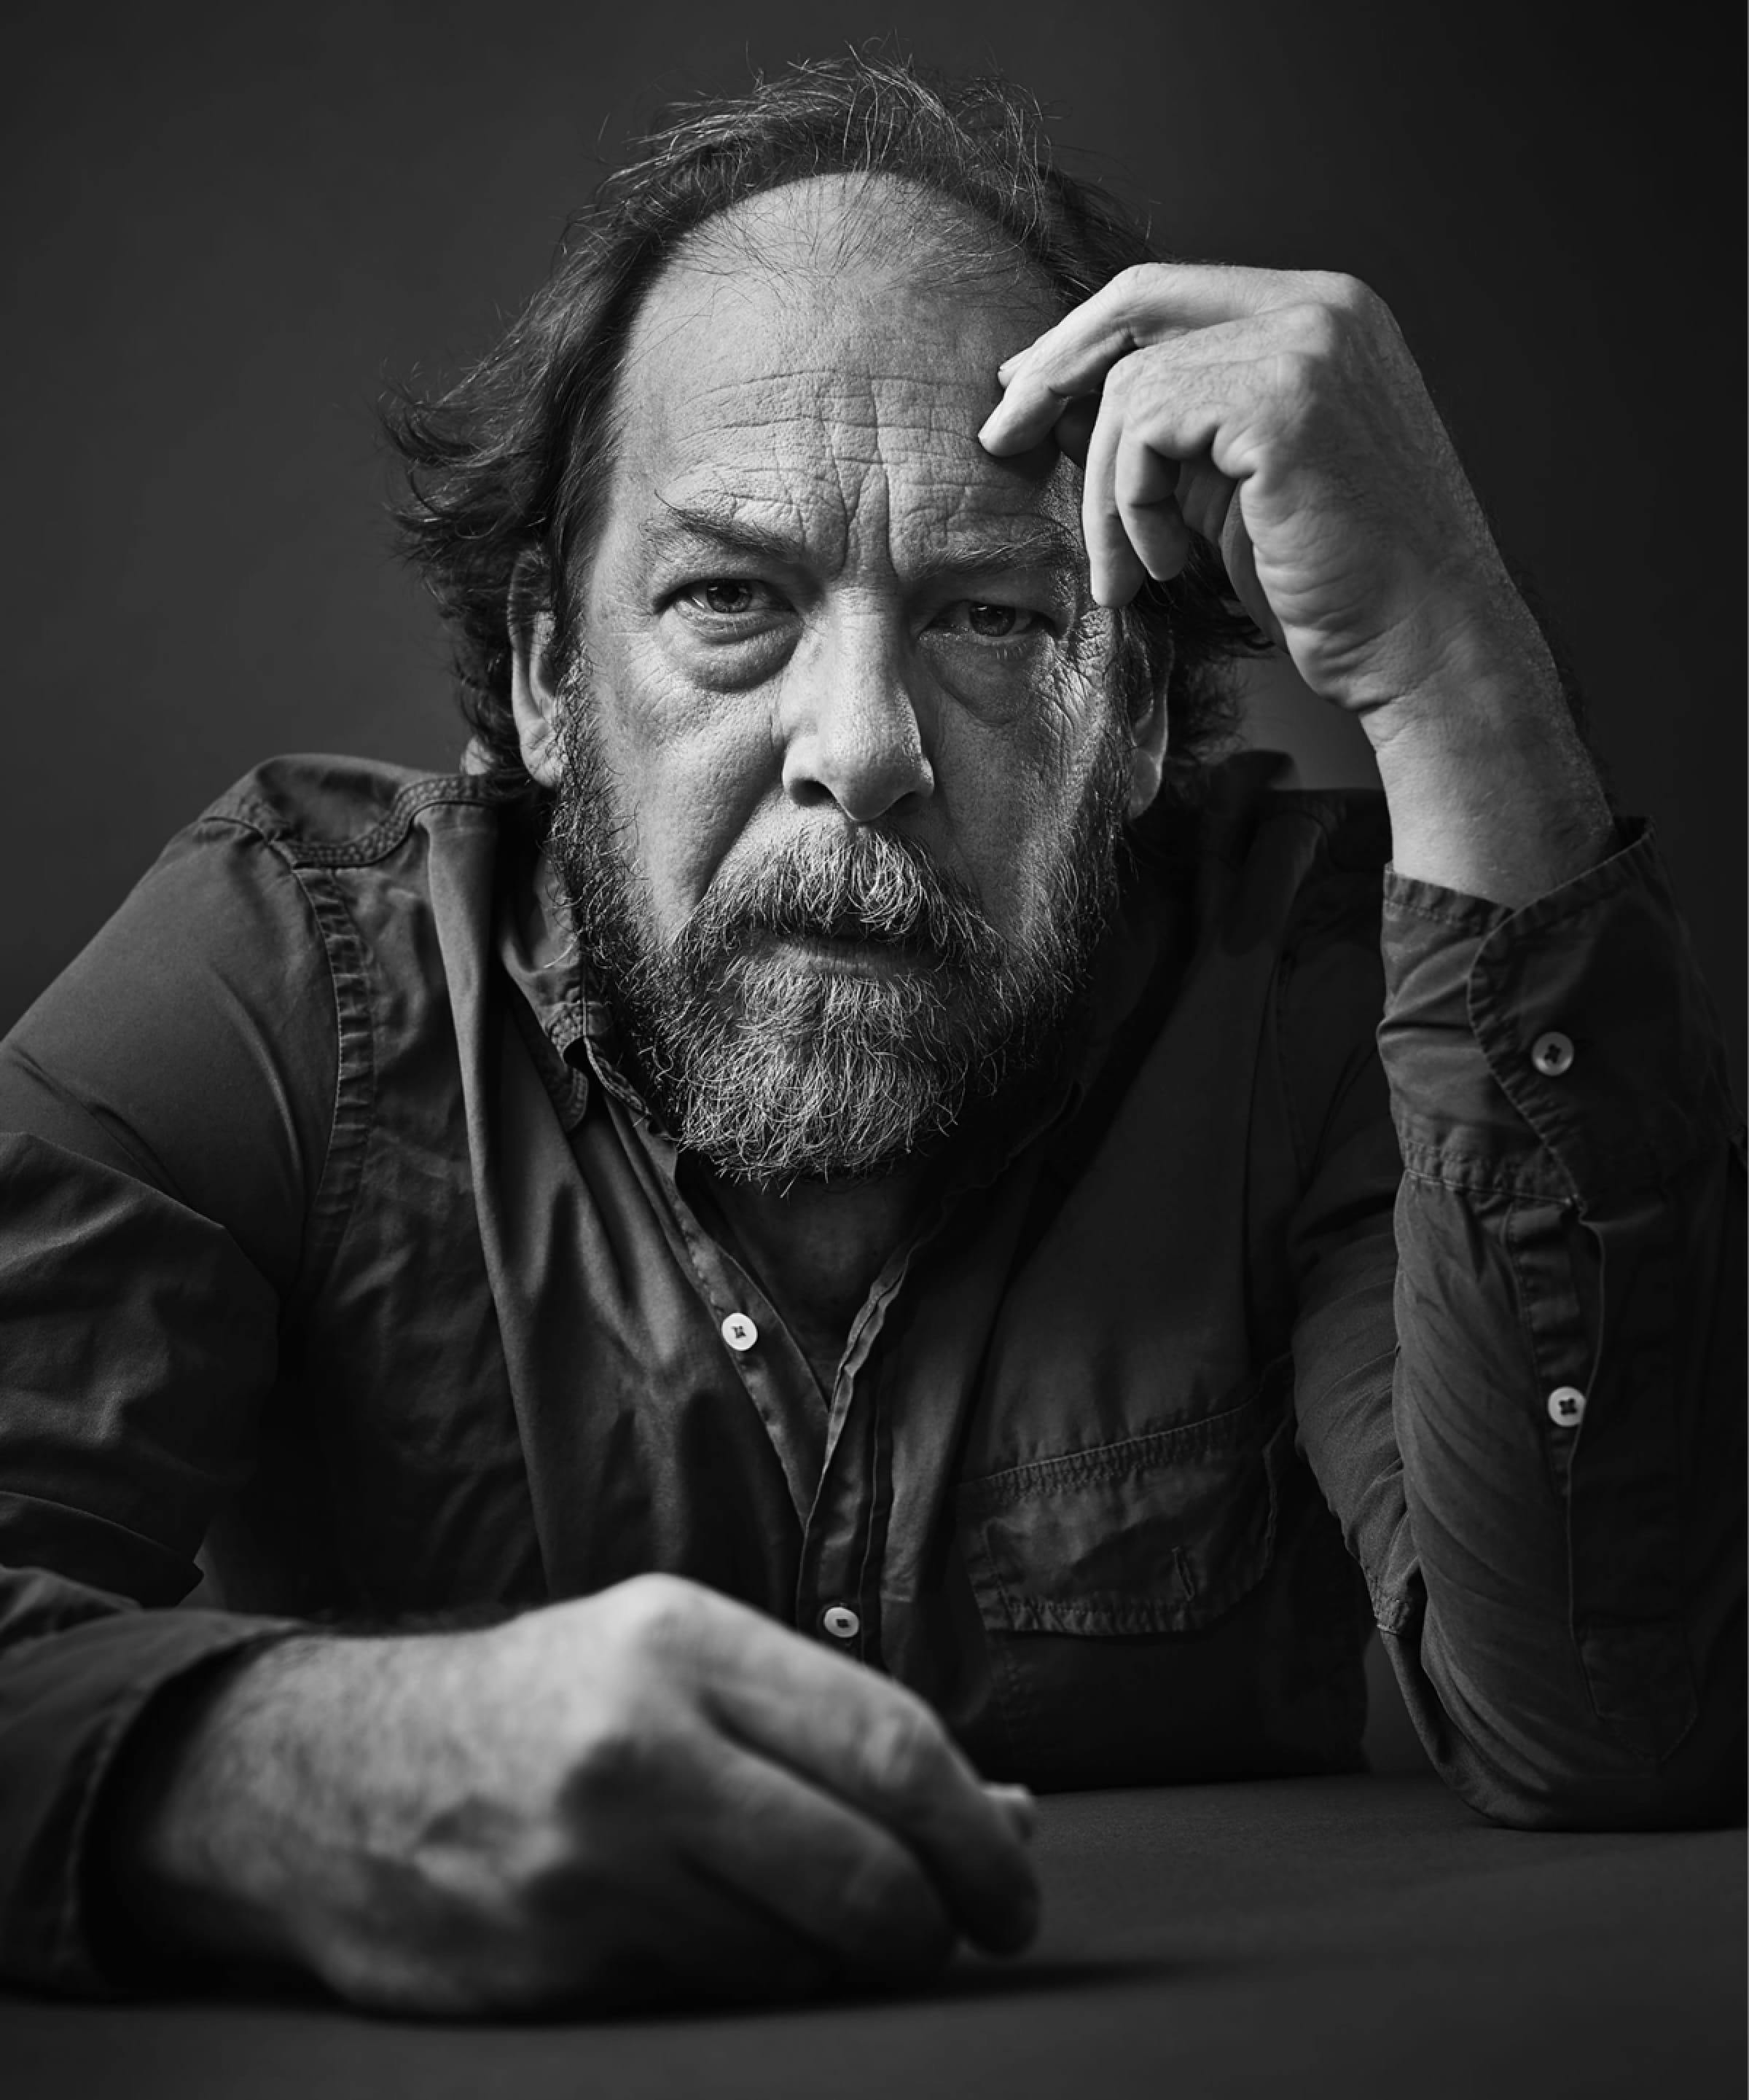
<point>863,753</point>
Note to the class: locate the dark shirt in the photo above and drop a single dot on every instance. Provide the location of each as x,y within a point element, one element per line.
<point>343,1273</point>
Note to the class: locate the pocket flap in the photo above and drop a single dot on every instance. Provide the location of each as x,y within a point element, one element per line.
<point>1162,1533</point>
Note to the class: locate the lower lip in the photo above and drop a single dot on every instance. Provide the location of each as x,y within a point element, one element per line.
<point>873,959</point>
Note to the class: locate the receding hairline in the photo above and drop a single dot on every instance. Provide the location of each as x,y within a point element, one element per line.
<point>833,223</point>
<point>503,467</point>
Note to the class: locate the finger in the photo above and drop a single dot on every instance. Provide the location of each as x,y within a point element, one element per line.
<point>1019,1805</point>
<point>1115,570</point>
<point>1144,491</point>
<point>877,1748</point>
<point>1208,500</point>
<point>1074,429</point>
<point>627,1922</point>
<point>699,1940</point>
<point>1239,559</point>
<point>1139,307</point>
<point>1027,414</point>
<point>1205,499</point>
<point>832,1877</point>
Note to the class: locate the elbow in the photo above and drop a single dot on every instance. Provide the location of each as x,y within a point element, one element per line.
<point>1644,1730</point>
<point>1618,1802</point>
<point>1701,1782</point>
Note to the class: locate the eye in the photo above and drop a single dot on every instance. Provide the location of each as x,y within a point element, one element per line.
<point>727,598</point>
<point>987,622</point>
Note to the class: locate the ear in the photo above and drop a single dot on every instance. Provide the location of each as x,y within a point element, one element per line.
<point>534,699</point>
<point>1147,755</point>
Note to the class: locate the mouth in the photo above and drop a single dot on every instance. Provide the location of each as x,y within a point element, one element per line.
<point>854,954</point>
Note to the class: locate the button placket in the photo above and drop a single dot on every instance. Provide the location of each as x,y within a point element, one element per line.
<point>835,1562</point>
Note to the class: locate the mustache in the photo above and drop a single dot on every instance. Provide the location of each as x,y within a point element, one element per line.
<point>871,886</point>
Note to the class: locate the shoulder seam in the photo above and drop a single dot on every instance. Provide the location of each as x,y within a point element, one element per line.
<point>381,839</point>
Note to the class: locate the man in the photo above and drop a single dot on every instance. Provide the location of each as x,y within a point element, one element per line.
<point>827,1219</point>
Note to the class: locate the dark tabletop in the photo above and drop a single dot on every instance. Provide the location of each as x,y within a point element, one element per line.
<point>1351,1937</point>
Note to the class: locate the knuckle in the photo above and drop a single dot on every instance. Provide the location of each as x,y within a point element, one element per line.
<point>656,1615</point>
<point>1136,279</point>
<point>1299,374</point>
<point>1343,293</point>
<point>1315,330</point>
<point>905,1753</point>
<point>1121,376</point>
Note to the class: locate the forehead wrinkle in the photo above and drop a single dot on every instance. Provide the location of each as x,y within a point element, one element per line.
<point>986,544</point>
<point>876,398</point>
<point>800,449</point>
<point>839,424</point>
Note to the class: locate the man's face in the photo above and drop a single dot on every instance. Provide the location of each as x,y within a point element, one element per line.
<point>839,767</point>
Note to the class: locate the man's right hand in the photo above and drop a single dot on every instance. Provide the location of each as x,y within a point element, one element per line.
<point>652,1792</point>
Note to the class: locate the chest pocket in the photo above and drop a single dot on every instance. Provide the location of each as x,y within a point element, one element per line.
<point>1160,1533</point>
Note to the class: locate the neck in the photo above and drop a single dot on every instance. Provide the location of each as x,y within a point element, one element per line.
<point>818,1247</point>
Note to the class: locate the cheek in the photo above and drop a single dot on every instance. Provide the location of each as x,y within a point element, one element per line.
<point>1014,795</point>
<point>690,771</point>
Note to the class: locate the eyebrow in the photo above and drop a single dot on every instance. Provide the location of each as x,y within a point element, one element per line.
<point>1036,543</point>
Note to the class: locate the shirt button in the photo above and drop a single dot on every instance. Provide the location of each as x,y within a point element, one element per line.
<point>1553,1054</point>
<point>1567,1404</point>
<point>739,1332</point>
<point>841,1622</point>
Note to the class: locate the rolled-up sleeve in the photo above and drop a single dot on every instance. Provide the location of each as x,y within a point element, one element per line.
<point>1544,1475</point>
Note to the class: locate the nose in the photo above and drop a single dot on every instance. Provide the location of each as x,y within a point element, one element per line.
<point>853,736</point>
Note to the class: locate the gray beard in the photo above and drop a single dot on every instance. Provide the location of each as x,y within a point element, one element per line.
<point>775,1075</point>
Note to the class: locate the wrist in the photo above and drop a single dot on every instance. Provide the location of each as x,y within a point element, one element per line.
<point>1491,789</point>
<point>1476,669</point>
<point>174,1860</point>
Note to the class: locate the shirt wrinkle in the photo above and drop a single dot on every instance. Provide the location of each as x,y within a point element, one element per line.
<point>1250,1303</point>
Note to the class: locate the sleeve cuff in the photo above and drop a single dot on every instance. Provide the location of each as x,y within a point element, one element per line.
<point>1566,1050</point>
<point>67,1701</point>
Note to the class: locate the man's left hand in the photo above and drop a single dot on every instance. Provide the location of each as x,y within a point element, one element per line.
<point>1280,417</point>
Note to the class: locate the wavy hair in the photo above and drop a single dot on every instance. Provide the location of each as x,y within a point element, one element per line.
<point>504,469</point>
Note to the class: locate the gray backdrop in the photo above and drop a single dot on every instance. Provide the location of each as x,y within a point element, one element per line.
<point>227,225</point>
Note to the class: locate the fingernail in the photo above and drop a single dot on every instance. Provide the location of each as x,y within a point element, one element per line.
<point>1018,1805</point>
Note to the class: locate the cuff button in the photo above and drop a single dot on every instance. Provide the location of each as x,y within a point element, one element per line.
<point>1553,1054</point>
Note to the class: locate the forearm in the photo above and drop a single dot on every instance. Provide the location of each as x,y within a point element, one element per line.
<point>1491,789</point>
<point>1568,1403</point>
<point>1574,1604</point>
